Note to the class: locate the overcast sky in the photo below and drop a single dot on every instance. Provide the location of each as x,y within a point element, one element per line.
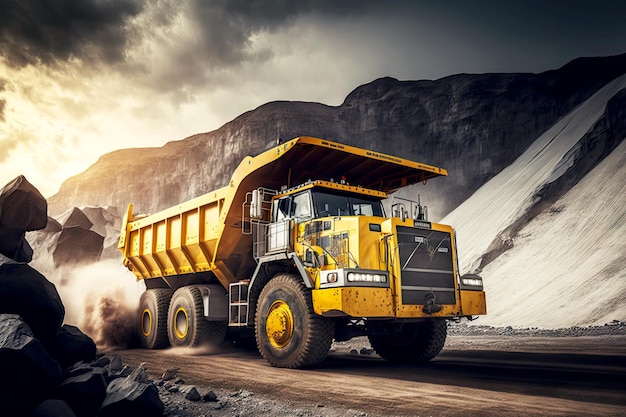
<point>80,78</point>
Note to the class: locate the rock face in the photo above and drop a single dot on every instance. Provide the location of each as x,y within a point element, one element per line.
<point>472,125</point>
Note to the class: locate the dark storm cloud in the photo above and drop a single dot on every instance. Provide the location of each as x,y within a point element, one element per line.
<point>39,31</point>
<point>216,35</point>
<point>226,26</point>
<point>180,46</point>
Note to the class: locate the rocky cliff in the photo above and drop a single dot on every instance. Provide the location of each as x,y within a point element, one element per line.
<point>474,125</point>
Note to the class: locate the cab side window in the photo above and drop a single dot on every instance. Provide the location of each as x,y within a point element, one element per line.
<point>281,209</point>
<point>301,207</point>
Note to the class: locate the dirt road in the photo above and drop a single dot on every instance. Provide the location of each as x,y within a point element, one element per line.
<point>486,376</point>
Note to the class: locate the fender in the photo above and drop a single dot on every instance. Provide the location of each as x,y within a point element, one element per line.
<point>215,300</point>
<point>261,277</point>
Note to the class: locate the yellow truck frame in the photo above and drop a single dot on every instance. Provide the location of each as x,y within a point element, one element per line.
<point>297,250</point>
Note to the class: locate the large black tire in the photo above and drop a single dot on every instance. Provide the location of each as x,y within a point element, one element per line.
<point>153,307</point>
<point>415,342</point>
<point>288,333</point>
<point>186,324</point>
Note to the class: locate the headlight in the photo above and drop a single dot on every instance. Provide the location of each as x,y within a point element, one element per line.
<point>471,282</point>
<point>352,277</point>
<point>366,277</point>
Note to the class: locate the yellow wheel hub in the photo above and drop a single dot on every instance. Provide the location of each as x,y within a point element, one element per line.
<point>181,323</point>
<point>146,322</point>
<point>279,324</point>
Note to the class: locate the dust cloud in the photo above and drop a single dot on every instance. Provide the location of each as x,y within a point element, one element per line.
<point>100,298</point>
<point>195,351</point>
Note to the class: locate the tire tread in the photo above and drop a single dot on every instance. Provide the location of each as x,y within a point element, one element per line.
<point>160,297</point>
<point>321,330</point>
<point>205,332</point>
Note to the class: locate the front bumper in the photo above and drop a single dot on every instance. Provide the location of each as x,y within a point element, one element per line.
<point>368,302</point>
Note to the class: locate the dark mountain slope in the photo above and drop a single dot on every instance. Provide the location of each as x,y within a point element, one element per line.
<point>472,125</point>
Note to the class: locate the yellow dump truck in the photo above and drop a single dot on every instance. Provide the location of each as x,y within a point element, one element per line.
<point>297,250</point>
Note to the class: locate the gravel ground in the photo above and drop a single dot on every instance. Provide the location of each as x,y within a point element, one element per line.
<point>242,403</point>
<point>184,400</point>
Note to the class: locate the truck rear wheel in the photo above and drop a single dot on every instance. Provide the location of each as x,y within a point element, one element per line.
<point>416,342</point>
<point>288,333</point>
<point>186,324</point>
<point>153,306</point>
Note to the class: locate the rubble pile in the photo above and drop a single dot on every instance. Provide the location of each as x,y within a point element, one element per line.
<point>52,369</point>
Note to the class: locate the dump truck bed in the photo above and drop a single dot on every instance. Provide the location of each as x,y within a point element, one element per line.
<point>205,234</point>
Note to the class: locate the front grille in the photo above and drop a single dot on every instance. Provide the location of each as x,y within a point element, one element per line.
<point>426,266</point>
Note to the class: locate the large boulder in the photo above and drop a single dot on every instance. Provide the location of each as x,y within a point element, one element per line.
<point>23,290</point>
<point>28,372</point>
<point>71,345</point>
<point>76,217</point>
<point>22,209</point>
<point>132,396</point>
<point>77,244</point>
<point>53,408</point>
<point>85,392</point>
<point>26,292</point>
<point>83,235</point>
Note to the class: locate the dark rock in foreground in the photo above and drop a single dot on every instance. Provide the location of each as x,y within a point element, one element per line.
<point>22,209</point>
<point>132,396</point>
<point>32,340</point>
<point>71,345</point>
<point>53,408</point>
<point>29,374</point>
<point>31,380</point>
<point>85,393</point>
<point>26,292</point>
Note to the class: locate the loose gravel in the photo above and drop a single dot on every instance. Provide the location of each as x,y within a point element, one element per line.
<point>613,328</point>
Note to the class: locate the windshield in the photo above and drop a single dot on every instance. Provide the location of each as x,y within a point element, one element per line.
<point>343,205</point>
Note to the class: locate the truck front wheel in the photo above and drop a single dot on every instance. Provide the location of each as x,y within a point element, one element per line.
<point>186,324</point>
<point>415,342</point>
<point>153,318</point>
<point>288,333</point>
